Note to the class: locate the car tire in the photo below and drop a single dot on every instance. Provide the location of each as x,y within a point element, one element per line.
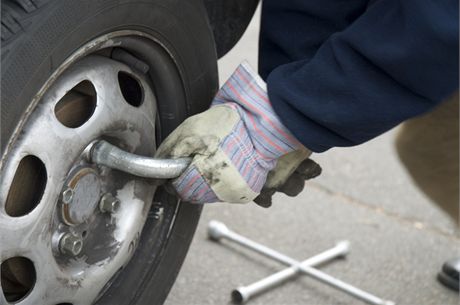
<point>40,36</point>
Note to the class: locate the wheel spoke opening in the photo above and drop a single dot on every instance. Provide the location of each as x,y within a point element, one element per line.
<point>27,188</point>
<point>131,89</point>
<point>76,107</point>
<point>18,276</point>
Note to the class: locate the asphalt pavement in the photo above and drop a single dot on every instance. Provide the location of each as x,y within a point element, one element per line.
<point>399,238</point>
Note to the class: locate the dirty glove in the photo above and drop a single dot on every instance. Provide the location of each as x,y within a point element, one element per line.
<point>234,144</point>
<point>288,176</point>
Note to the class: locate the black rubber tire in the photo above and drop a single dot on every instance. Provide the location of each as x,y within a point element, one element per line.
<point>39,35</point>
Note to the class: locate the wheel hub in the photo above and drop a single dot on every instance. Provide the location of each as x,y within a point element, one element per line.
<point>80,196</point>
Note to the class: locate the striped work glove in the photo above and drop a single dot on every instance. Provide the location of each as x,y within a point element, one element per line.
<point>234,144</point>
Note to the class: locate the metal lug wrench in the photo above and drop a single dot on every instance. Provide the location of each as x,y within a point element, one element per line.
<point>218,230</point>
<point>104,153</point>
<point>244,293</point>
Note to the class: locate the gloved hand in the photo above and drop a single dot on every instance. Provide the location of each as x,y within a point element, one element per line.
<point>234,144</point>
<point>288,176</point>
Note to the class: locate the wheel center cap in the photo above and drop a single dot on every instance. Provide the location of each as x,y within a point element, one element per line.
<point>80,196</point>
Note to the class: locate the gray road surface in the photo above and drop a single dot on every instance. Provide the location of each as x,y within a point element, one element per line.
<point>399,239</point>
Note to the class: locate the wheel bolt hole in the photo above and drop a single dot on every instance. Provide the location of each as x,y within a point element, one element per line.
<point>131,89</point>
<point>84,234</point>
<point>18,277</point>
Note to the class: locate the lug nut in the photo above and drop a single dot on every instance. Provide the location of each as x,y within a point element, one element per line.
<point>67,195</point>
<point>70,244</point>
<point>109,203</point>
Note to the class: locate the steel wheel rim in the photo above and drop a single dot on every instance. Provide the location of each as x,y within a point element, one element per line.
<point>68,71</point>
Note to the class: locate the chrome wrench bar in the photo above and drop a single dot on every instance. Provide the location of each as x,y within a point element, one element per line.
<point>244,293</point>
<point>104,153</point>
<point>218,231</point>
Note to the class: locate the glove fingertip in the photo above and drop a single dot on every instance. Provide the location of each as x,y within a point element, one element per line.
<point>309,169</point>
<point>294,185</point>
<point>263,200</point>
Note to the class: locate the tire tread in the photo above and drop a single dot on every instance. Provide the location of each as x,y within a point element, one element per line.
<point>16,16</point>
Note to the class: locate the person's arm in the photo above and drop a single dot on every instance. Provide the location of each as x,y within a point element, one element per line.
<point>293,30</point>
<point>397,60</point>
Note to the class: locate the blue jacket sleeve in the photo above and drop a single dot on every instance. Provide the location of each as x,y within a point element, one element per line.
<point>396,60</point>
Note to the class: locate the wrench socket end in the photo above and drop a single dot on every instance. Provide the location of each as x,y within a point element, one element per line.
<point>217,230</point>
<point>238,297</point>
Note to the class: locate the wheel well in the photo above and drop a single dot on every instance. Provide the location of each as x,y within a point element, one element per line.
<point>229,19</point>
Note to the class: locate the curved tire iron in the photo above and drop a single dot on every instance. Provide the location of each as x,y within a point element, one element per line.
<point>103,153</point>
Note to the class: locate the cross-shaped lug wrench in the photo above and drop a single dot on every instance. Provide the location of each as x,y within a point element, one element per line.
<point>218,231</point>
